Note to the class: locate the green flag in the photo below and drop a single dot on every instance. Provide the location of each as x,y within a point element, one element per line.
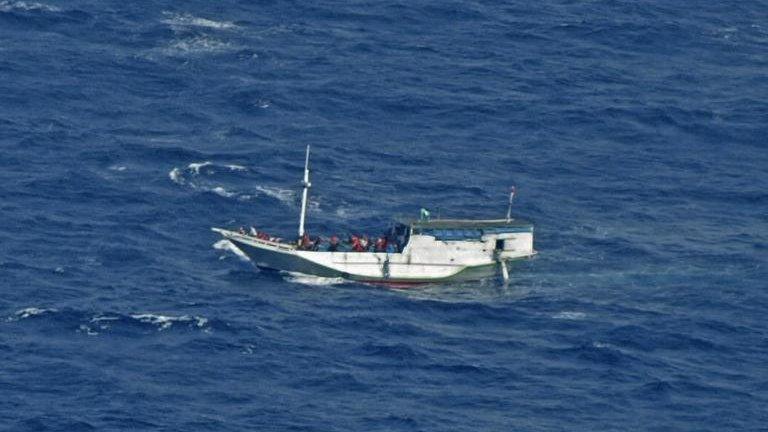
<point>424,214</point>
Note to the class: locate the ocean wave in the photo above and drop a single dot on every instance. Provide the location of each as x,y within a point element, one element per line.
<point>30,312</point>
<point>197,45</point>
<point>95,324</point>
<point>195,174</point>
<point>177,21</point>
<point>199,176</point>
<point>176,176</point>
<point>228,246</point>
<point>220,191</point>
<point>164,322</point>
<point>286,196</point>
<point>568,315</point>
<point>196,166</point>
<point>10,6</point>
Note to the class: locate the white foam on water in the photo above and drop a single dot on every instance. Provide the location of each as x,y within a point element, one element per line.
<point>342,212</point>
<point>305,279</point>
<point>188,20</point>
<point>164,322</point>
<point>226,245</point>
<point>286,196</point>
<point>347,212</point>
<point>102,321</point>
<point>197,45</point>
<point>9,6</point>
<point>102,318</point>
<point>117,168</point>
<point>176,176</point>
<point>314,205</point>
<point>185,177</point>
<point>30,312</point>
<point>87,330</point>
<point>568,315</point>
<point>220,191</point>
<point>195,166</point>
<point>195,175</point>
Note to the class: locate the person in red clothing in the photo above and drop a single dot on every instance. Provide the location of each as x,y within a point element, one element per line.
<point>305,243</point>
<point>380,245</point>
<point>357,244</point>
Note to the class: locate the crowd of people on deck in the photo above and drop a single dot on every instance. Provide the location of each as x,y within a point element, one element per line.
<point>261,235</point>
<point>353,243</point>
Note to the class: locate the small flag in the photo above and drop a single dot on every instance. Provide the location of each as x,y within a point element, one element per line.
<point>424,214</point>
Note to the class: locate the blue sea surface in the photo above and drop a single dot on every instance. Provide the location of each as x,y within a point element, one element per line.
<point>635,132</point>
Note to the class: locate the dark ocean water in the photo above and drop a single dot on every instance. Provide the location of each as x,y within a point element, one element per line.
<point>635,132</point>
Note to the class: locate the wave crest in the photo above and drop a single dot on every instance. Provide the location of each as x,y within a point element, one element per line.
<point>228,246</point>
<point>10,6</point>
<point>178,21</point>
<point>30,312</point>
<point>94,324</point>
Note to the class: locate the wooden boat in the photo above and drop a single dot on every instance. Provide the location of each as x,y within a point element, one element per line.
<point>427,250</point>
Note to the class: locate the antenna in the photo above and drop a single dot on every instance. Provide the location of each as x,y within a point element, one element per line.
<point>509,208</point>
<point>306,185</point>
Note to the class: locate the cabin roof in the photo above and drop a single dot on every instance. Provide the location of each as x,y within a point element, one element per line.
<point>467,223</point>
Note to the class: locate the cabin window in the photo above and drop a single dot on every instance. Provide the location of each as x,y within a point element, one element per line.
<point>499,244</point>
<point>453,234</point>
<point>401,235</point>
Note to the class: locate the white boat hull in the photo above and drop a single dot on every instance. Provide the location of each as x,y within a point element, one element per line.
<point>423,260</point>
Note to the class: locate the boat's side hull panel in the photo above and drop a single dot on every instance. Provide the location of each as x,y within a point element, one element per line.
<point>285,261</point>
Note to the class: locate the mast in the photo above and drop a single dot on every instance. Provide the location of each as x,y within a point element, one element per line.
<point>304,194</point>
<point>509,208</point>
